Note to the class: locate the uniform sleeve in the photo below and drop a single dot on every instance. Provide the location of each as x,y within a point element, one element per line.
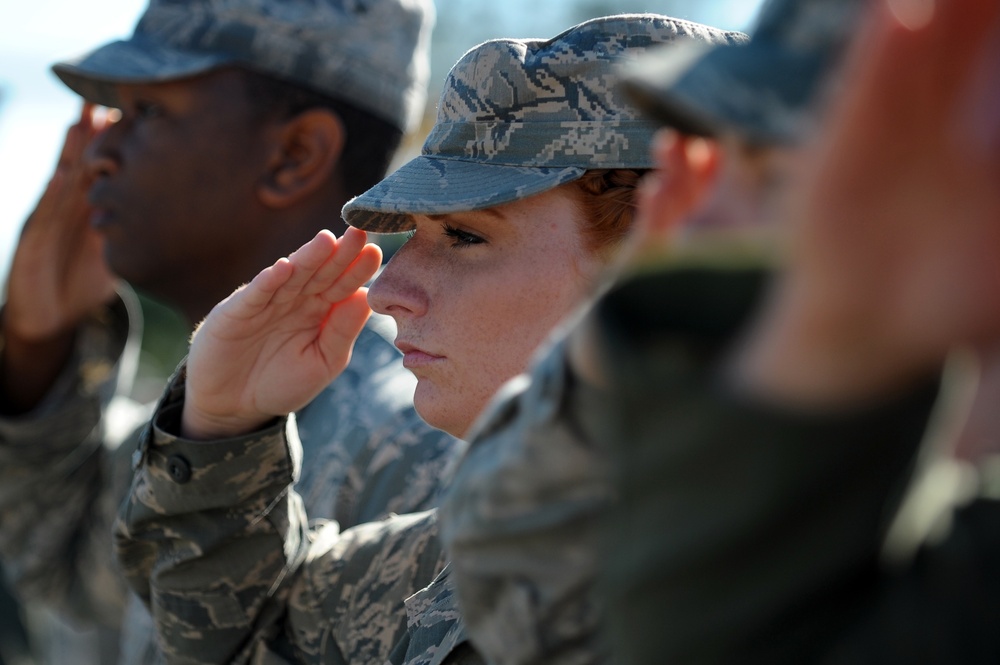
<point>522,521</point>
<point>215,540</point>
<point>435,629</point>
<point>349,604</point>
<point>744,532</point>
<point>63,471</point>
<point>209,533</point>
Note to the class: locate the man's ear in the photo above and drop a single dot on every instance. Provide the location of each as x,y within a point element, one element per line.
<point>305,154</point>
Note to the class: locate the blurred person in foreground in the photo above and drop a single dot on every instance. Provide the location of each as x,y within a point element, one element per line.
<point>523,519</point>
<point>244,127</point>
<point>15,643</point>
<point>789,469</point>
<point>517,204</point>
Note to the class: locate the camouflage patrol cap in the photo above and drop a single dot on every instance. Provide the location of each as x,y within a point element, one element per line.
<point>761,90</point>
<point>372,54</point>
<point>518,117</point>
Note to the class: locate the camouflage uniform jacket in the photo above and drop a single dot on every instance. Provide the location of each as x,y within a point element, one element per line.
<point>64,469</point>
<point>526,520</point>
<point>522,520</point>
<point>60,479</point>
<point>224,556</point>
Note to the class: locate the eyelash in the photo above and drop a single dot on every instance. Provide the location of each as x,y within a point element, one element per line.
<point>462,238</point>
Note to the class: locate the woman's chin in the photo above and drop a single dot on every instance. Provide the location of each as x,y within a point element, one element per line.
<point>440,412</point>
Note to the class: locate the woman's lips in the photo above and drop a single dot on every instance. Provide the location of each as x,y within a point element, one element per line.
<point>415,357</point>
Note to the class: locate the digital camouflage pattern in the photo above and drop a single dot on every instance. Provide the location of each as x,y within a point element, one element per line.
<point>367,453</point>
<point>233,573</point>
<point>58,490</point>
<point>762,89</point>
<point>63,473</point>
<point>518,117</point>
<point>522,521</point>
<point>373,54</point>
<point>435,630</point>
<point>176,539</point>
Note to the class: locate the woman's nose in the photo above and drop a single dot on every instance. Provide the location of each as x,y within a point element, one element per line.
<point>397,291</point>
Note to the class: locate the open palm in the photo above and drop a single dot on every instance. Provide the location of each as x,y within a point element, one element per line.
<point>58,275</point>
<point>274,344</point>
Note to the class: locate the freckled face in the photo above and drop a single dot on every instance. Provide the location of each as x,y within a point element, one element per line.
<point>473,294</point>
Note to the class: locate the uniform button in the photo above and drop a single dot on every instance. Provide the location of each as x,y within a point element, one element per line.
<point>179,469</point>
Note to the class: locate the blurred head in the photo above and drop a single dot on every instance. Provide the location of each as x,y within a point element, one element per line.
<point>743,189</point>
<point>523,189</point>
<point>764,90</point>
<point>204,180</point>
<point>243,125</point>
<point>754,101</point>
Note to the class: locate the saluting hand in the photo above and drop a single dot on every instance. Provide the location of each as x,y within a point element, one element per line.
<point>58,275</point>
<point>895,244</point>
<point>274,344</point>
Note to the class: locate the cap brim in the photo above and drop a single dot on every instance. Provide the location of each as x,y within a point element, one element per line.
<point>95,75</point>
<point>757,90</point>
<point>429,185</point>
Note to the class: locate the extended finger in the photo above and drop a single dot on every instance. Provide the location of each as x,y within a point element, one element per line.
<point>90,120</point>
<point>306,261</point>
<point>349,247</point>
<point>76,138</point>
<point>249,300</point>
<point>352,241</point>
<point>360,270</point>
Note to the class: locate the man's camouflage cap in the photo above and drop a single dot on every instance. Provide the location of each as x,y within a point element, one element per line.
<point>518,117</point>
<point>762,90</point>
<point>373,54</point>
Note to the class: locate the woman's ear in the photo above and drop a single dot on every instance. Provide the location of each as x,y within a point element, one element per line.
<point>305,154</point>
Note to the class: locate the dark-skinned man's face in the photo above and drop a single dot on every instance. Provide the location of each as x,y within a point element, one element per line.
<point>175,179</point>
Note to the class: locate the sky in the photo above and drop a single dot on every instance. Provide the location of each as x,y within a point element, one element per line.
<point>35,108</point>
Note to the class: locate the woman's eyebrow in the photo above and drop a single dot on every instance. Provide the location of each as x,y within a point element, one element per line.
<point>491,212</point>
